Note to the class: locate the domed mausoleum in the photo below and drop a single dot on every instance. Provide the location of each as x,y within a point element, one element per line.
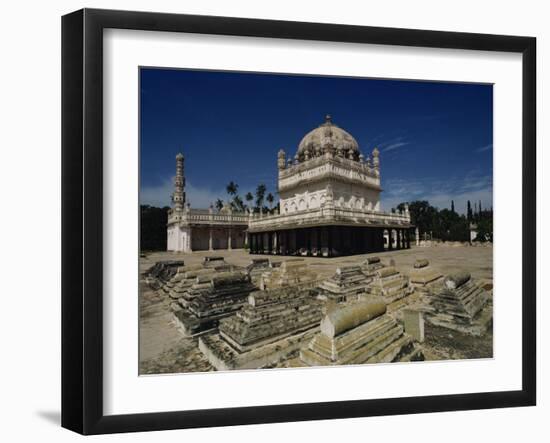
<point>329,201</point>
<point>329,196</point>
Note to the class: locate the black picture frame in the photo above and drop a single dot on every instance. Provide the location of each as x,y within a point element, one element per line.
<point>82,218</point>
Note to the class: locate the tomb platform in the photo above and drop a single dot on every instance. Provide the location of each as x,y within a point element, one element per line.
<point>371,265</point>
<point>425,278</point>
<point>224,357</point>
<point>462,305</point>
<point>256,268</point>
<point>183,273</point>
<point>348,284</point>
<point>293,272</point>
<point>391,285</point>
<point>161,272</point>
<point>211,298</point>
<point>209,265</point>
<point>179,289</point>
<point>360,333</point>
<point>270,326</point>
<point>219,264</point>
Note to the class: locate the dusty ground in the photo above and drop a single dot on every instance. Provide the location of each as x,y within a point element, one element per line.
<point>164,350</point>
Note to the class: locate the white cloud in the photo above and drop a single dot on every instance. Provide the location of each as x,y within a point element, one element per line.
<point>439,193</point>
<point>199,198</point>
<point>157,195</point>
<point>485,148</point>
<point>160,195</point>
<point>394,146</point>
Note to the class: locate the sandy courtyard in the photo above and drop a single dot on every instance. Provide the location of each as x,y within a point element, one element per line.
<point>163,349</point>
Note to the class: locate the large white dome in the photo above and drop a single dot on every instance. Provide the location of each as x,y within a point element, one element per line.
<point>328,134</point>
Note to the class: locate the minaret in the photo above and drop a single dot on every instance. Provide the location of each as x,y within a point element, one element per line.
<point>178,197</point>
<point>281,159</point>
<point>376,160</point>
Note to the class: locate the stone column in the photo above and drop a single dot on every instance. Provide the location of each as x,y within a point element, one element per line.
<point>229,239</point>
<point>246,239</point>
<point>330,240</point>
<point>210,248</point>
<point>390,239</point>
<point>417,232</point>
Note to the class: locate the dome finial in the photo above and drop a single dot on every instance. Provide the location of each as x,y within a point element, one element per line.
<point>328,118</point>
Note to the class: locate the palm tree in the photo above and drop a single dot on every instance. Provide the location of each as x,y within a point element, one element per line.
<point>249,197</point>
<point>260,194</point>
<point>270,200</point>
<point>237,204</point>
<point>232,188</point>
<point>219,204</point>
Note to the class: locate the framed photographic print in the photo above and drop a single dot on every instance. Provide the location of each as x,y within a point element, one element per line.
<point>311,221</point>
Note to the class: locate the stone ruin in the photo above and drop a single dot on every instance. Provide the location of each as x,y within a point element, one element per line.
<point>360,333</point>
<point>390,284</point>
<point>168,275</point>
<point>269,327</point>
<point>371,265</point>
<point>161,272</point>
<point>217,263</point>
<point>361,314</point>
<point>211,298</point>
<point>349,283</point>
<point>425,278</point>
<point>256,268</point>
<point>459,305</point>
<point>178,286</point>
<point>293,272</point>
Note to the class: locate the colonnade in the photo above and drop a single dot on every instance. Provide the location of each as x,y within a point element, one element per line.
<point>328,241</point>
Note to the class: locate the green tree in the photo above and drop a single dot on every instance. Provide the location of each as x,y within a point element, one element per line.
<point>237,204</point>
<point>485,230</point>
<point>270,199</point>
<point>219,204</point>
<point>469,214</point>
<point>232,188</point>
<point>249,197</point>
<point>152,227</point>
<point>260,195</point>
<point>423,215</point>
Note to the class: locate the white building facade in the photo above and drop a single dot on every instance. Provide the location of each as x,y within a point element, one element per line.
<point>329,197</point>
<point>329,201</point>
<point>201,229</point>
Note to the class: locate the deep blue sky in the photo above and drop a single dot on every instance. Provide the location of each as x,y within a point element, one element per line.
<point>435,138</point>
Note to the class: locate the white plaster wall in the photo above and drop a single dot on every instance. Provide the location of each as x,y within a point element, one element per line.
<point>309,196</point>
<point>172,238</point>
<point>344,194</point>
<point>347,195</point>
<point>178,239</point>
